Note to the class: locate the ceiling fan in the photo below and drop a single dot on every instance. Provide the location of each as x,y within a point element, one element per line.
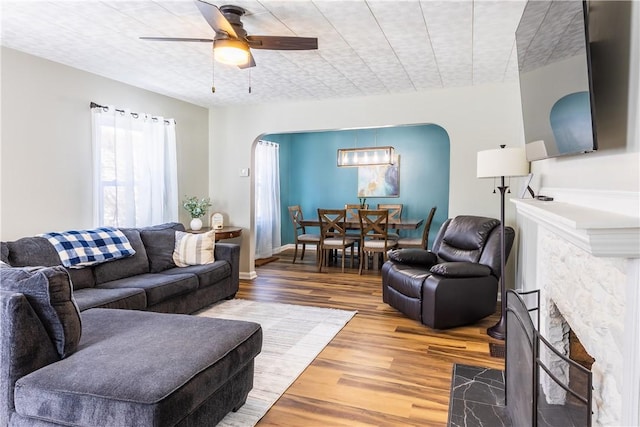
<point>232,44</point>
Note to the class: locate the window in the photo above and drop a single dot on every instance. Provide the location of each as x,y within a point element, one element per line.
<point>135,168</point>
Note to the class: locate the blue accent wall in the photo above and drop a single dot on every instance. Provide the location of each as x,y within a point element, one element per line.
<point>309,176</point>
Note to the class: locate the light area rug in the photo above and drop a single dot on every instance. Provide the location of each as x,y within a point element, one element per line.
<point>293,335</point>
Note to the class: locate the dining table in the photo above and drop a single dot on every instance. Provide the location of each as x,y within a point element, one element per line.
<point>354,223</point>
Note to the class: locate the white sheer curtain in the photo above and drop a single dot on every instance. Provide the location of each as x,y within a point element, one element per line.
<point>267,173</point>
<point>135,179</point>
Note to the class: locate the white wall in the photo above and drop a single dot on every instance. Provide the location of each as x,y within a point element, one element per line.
<point>46,142</point>
<point>476,118</point>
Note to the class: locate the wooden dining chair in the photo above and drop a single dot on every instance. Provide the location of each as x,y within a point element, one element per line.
<point>333,235</point>
<point>352,215</point>
<point>395,212</point>
<point>374,236</point>
<point>422,242</point>
<point>300,235</point>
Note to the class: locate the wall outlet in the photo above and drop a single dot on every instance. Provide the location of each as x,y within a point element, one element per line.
<point>244,172</point>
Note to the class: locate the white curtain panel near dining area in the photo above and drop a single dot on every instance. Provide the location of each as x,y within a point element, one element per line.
<point>135,168</point>
<point>267,187</point>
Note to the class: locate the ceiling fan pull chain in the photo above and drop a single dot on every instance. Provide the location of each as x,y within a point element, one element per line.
<point>249,80</point>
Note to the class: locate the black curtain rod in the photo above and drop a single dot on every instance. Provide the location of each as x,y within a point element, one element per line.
<point>135,115</point>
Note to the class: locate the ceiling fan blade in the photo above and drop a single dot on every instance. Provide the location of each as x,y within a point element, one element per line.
<point>215,18</point>
<point>251,63</point>
<point>175,39</point>
<point>282,42</point>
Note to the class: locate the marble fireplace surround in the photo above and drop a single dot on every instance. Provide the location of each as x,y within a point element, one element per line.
<point>582,251</point>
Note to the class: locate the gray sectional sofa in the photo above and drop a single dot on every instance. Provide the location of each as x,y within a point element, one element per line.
<point>148,280</point>
<point>84,347</point>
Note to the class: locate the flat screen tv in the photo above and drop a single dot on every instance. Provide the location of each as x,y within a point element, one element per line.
<point>555,79</point>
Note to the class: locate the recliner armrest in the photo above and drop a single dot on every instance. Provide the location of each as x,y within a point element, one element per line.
<point>417,257</point>
<point>461,269</point>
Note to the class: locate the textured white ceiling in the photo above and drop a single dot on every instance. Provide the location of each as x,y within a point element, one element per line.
<point>365,47</point>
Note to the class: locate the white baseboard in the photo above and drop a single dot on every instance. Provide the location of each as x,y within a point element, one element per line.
<point>252,274</point>
<point>248,276</point>
<point>292,246</point>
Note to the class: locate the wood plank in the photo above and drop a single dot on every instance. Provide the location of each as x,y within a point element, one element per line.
<point>382,369</point>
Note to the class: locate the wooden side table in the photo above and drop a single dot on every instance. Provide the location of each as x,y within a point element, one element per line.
<point>228,232</point>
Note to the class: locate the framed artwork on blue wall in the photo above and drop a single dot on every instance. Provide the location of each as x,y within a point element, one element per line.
<point>379,181</point>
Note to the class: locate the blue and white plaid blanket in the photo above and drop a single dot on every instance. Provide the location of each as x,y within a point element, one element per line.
<point>82,248</point>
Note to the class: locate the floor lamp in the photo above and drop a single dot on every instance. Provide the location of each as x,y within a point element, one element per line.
<point>500,163</point>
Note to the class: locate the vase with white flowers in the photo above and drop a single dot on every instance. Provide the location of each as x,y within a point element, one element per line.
<point>197,208</point>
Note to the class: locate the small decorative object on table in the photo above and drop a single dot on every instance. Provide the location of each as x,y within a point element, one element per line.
<point>363,202</point>
<point>197,208</point>
<point>217,221</point>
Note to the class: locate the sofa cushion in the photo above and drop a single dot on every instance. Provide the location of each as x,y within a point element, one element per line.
<point>49,291</point>
<point>37,251</point>
<point>193,249</point>
<point>158,287</point>
<point>32,251</point>
<point>81,277</point>
<point>207,274</point>
<point>148,378</point>
<point>4,252</point>
<point>125,298</point>
<point>125,267</point>
<point>159,242</point>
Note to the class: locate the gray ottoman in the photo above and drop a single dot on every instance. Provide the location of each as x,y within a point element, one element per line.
<point>135,368</point>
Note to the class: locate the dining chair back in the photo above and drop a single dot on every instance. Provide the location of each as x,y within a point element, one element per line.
<point>374,235</point>
<point>421,242</point>
<point>352,215</point>
<point>333,235</point>
<point>395,209</point>
<point>300,235</point>
<point>395,212</point>
<point>352,210</point>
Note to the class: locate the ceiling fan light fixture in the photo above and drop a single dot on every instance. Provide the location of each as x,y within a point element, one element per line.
<point>231,52</point>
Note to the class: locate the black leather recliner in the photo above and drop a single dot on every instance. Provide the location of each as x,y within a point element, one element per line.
<point>454,284</point>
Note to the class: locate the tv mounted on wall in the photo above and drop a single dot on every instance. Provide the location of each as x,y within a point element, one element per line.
<point>555,79</point>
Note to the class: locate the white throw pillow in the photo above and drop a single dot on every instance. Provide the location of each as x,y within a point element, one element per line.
<point>194,249</point>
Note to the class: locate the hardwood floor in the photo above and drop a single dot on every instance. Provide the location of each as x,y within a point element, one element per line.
<point>382,369</point>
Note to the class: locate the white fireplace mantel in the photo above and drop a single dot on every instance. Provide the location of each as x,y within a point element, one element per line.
<point>605,225</point>
<point>598,232</point>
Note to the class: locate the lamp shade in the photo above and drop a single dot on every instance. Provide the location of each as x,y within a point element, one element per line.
<point>502,162</point>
